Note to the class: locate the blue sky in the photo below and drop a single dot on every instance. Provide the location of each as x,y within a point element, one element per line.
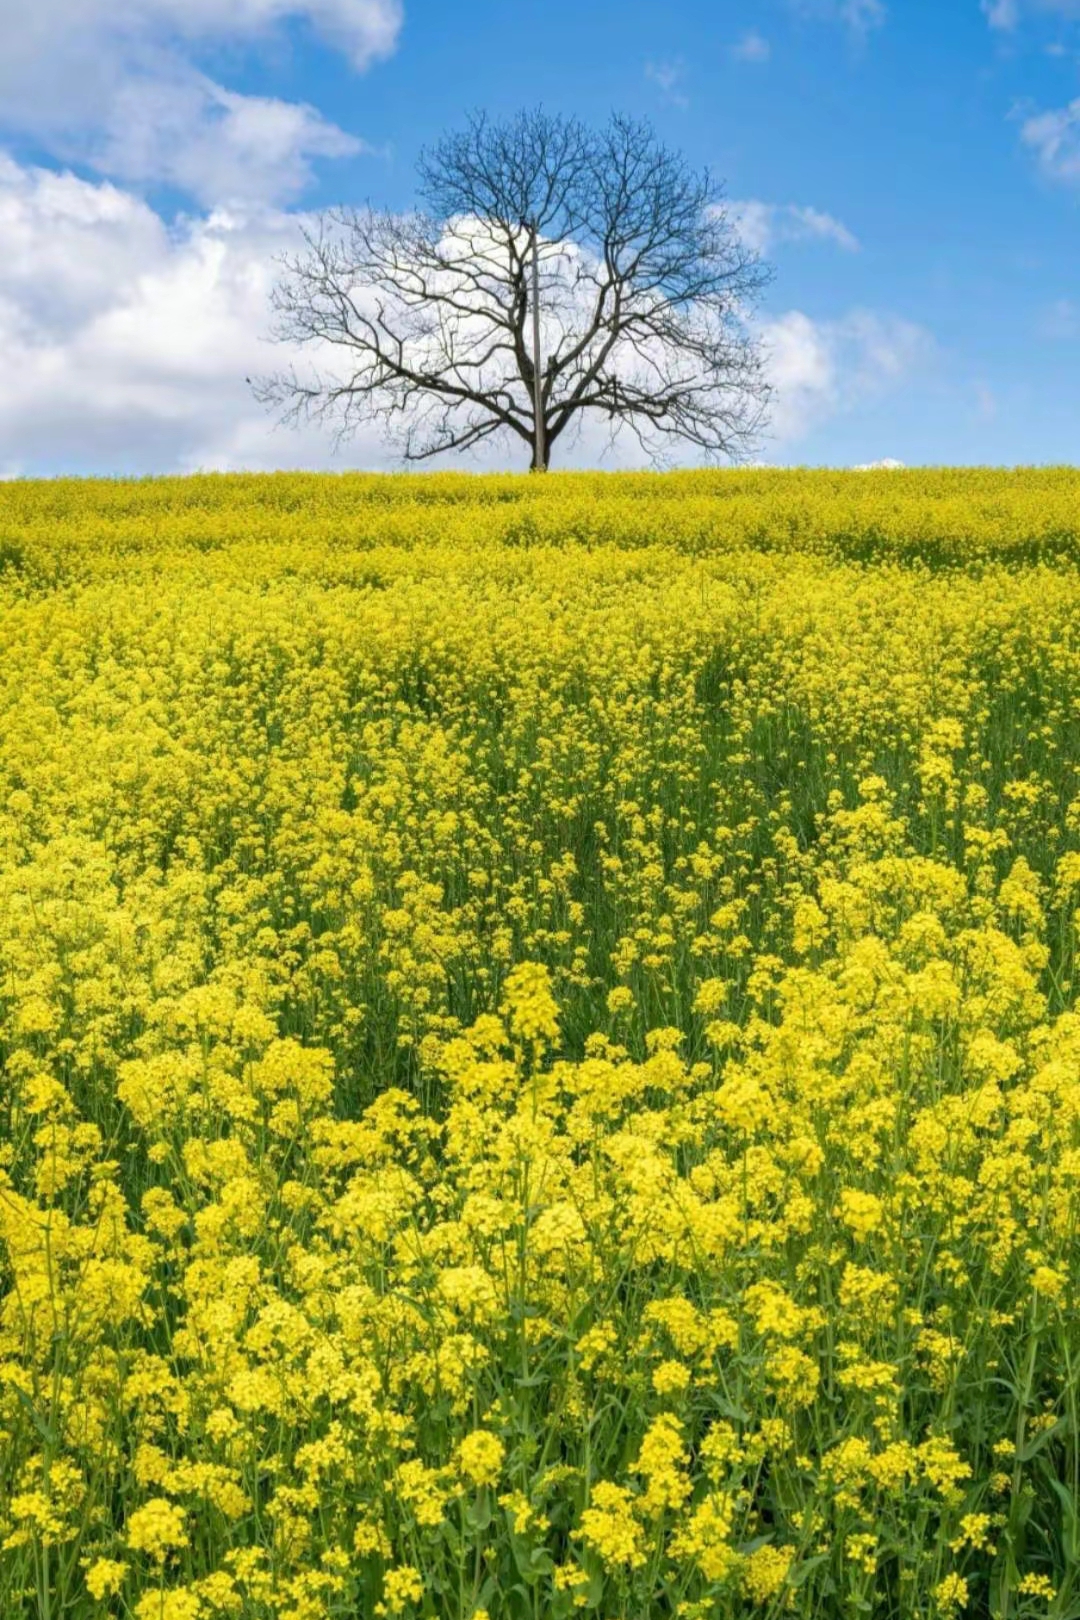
<point>911,169</point>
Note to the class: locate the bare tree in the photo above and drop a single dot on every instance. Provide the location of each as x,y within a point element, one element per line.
<point>553,271</point>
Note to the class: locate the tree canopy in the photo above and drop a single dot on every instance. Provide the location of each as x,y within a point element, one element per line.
<point>587,272</point>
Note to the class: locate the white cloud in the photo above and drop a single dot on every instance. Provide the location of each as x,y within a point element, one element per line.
<point>70,249</point>
<point>1060,321</point>
<point>802,369</point>
<point>115,84</point>
<point>1006,14</point>
<point>668,76</point>
<point>752,47</point>
<point>822,368</point>
<point>1054,137</point>
<point>762,225</point>
<point>50,35</point>
<point>986,402</point>
<point>886,464</point>
<point>215,145</point>
<point>860,16</point>
<point>126,342</point>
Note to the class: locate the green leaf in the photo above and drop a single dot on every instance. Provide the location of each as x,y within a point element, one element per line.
<point>805,1569</point>
<point>478,1513</point>
<point>47,1433</point>
<point>1033,1447</point>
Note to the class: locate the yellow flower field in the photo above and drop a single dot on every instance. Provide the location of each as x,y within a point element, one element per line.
<point>540,1070</point>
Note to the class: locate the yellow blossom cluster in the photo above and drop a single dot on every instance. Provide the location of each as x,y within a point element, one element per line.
<point>539,1047</point>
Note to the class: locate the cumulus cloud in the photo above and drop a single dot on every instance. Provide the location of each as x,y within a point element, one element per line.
<point>762,225</point>
<point>822,368</point>
<point>1054,137</point>
<point>127,340</point>
<point>215,145</point>
<point>115,85</point>
<point>52,37</point>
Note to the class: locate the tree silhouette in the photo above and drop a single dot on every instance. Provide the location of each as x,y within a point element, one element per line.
<point>553,272</point>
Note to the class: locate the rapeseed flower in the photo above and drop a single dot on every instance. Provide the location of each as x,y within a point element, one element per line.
<point>540,1036</point>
